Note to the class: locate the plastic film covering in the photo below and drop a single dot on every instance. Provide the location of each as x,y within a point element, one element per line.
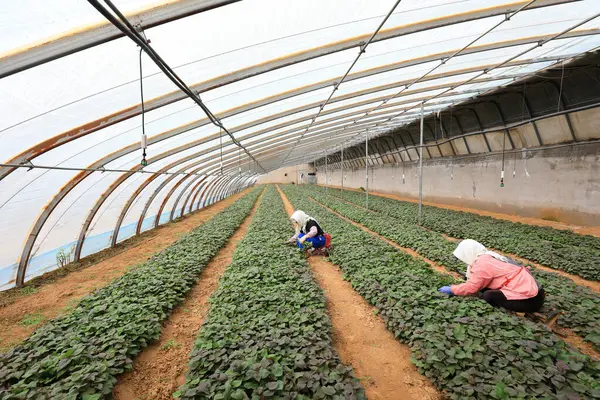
<point>70,89</point>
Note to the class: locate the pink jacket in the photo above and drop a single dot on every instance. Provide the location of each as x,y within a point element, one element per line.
<point>488,272</point>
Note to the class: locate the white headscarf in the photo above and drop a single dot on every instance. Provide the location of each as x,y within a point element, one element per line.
<point>301,219</point>
<point>468,250</point>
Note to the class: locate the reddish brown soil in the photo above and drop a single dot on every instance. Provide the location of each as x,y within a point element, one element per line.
<point>570,337</point>
<point>60,295</point>
<point>583,230</point>
<point>576,341</point>
<point>159,369</point>
<point>361,339</point>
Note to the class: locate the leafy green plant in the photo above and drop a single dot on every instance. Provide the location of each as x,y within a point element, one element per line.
<point>171,344</point>
<point>28,290</point>
<point>35,318</point>
<point>267,334</point>
<point>63,258</point>
<point>79,355</point>
<point>464,346</point>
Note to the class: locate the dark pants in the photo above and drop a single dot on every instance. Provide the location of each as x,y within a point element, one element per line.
<point>497,299</point>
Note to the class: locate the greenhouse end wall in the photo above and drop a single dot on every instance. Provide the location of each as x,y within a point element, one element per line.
<point>560,184</point>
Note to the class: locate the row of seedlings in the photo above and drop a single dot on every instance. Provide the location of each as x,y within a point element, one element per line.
<point>267,334</point>
<point>464,346</point>
<point>580,306</point>
<point>559,249</point>
<point>79,355</point>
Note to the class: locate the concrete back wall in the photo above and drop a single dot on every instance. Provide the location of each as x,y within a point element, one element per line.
<point>562,184</point>
<point>293,175</point>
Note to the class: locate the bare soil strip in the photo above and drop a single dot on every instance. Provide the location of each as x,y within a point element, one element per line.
<point>571,337</point>
<point>582,230</point>
<point>361,339</point>
<point>22,311</point>
<point>159,369</point>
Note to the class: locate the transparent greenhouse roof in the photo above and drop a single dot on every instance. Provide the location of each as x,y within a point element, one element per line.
<point>286,79</point>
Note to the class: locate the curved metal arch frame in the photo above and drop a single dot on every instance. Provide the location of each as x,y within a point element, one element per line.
<point>178,199</point>
<point>196,190</point>
<point>43,217</point>
<point>230,187</point>
<point>233,187</point>
<point>166,199</point>
<point>115,184</point>
<point>332,111</point>
<point>221,193</point>
<point>205,170</point>
<point>200,195</point>
<point>188,197</point>
<point>245,73</point>
<point>208,194</point>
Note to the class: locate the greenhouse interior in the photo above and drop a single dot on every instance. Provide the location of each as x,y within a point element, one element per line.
<point>263,199</point>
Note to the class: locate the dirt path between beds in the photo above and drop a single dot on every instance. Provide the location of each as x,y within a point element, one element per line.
<point>361,339</point>
<point>21,314</point>
<point>159,369</point>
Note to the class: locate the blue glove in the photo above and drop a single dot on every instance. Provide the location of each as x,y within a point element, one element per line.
<point>446,290</point>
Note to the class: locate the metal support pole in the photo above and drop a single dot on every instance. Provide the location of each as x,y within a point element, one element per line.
<point>367,169</point>
<point>421,167</point>
<point>342,170</point>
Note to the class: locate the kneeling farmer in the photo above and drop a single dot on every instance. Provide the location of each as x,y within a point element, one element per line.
<point>309,230</point>
<point>500,282</point>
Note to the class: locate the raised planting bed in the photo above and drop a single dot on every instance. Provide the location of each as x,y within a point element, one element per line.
<point>267,334</point>
<point>580,306</point>
<point>464,346</point>
<point>558,249</point>
<point>79,355</point>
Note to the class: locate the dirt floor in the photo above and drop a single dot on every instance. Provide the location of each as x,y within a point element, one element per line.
<point>23,310</point>
<point>361,339</point>
<point>159,369</point>
<point>583,230</point>
<point>569,336</point>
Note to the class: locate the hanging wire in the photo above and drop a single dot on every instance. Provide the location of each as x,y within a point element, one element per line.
<point>503,152</point>
<point>144,162</point>
<point>562,76</point>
